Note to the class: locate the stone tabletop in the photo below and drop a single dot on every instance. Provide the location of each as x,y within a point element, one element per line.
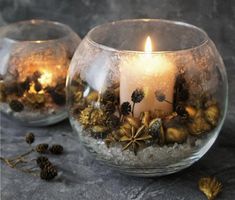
<point>81,177</point>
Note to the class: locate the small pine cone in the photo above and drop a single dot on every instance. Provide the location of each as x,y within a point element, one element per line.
<point>29,138</point>
<point>16,106</point>
<point>112,121</point>
<point>42,161</point>
<point>48,173</point>
<point>41,148</point>
<point>108,96</point>
<point>125,108</point>
<point>56,149</point>
<point>137,96</point>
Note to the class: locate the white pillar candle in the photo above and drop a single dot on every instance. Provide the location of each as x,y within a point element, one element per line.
<point>151,72</point>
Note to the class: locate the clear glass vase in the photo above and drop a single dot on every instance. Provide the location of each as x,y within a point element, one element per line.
<point>35,56</point>
<point>147,97</point>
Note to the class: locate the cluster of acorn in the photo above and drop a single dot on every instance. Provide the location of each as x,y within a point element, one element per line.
<point>48,171</point>
<point>17,94</point>
<point>102,116</point>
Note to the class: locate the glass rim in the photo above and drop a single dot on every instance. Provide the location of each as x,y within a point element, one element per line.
<point>67,30</point>
<point>178,23</point>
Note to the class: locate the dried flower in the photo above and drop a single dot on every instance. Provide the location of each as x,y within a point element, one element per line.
<point>137,96</point>
<point>41,148</point>
<point>135,139</point>
<point>181,111</point>
<point>125,108</point>
<point>37,86</point>
<point>211,187</point>
<point>29,138</point>
<point>16,106</point>
<point>160,96</point>
<point>56,149</point>
<point>92,116</point>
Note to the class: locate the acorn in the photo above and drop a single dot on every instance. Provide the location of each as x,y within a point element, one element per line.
<point>41,148</point>
<point>16,105</point>
<point>29,138</point>
<point>56,149</point>
<point>212,114</point>
<point>178,135</point>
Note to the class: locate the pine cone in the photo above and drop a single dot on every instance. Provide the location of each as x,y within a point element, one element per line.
<point>48,173</point>
<point>137,96</point>
<point>41,148</point>
<point>16,106</point>
<point>42,161</point>
<point>29,138</point>
<point>125,108</point>
<point>56,149</point>
<point>112,121</point>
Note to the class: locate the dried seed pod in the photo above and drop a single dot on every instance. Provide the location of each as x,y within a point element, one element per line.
<point>92,97</point>
<point>212,114</point>
<point>2,91</point>
<point>41,148</point>
<point>112,121</point>
<point>199,125</point>
<point>155,127</point>
<point>137,96</point>
<point>56,149</point>
<point>29,138</point>
<point>191,111</point>
<point>16,106</point>
<point>211,187</point>
<point>145,118</point>
<point>178,135</point>
<point>181,111</point>
<point>42,161</point>
<point>110,108</point>
<point>48,173</point>
<point>58,98</point>
<point>160,96</point>
<point>37,86</point>
<point>108,96</point>
<point>125,108</point>
<point>133,121</point>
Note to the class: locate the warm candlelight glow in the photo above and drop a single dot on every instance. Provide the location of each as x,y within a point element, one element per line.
<point>148,45</point>
<point>46,78</point>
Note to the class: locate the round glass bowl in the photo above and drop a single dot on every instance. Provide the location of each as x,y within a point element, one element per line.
<point>147,97</point>
<point>35,56</point>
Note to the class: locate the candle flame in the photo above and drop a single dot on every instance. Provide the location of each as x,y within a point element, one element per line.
<point>148,45</point>
<point>46,78</point>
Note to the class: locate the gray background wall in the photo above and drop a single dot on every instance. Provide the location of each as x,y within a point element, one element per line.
<point>216,17</point>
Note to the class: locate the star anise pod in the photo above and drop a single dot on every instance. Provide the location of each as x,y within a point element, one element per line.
<point>135,138</point>
<point>211,187</point>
